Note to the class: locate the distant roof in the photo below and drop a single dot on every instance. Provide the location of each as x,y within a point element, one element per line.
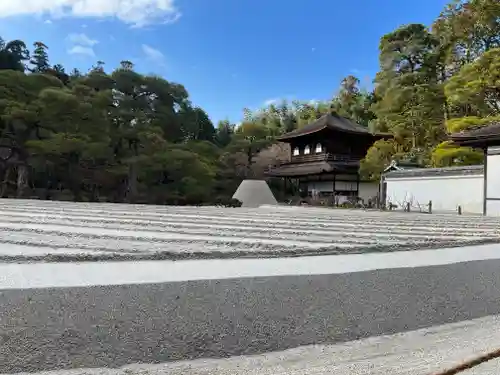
<point>401,165</point>
<point>310,168</point>
<point>427,172</point>
<point>478,137</point>
<point>332,121</point>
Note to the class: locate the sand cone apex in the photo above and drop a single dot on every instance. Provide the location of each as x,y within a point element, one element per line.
<point>254,193</point>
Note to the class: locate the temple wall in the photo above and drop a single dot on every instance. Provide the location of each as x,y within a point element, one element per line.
<point>445,192</point>
<point>493,182</point>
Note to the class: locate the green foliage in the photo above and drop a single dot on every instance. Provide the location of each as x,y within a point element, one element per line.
<point>13,55</point>
<point>120,137</point>
<point>40,58</point>
<point>411,100</point>
<point>447,154</point>
<point>223,133</point>
<point>377,158</point>
<point>459,124</point>
<point>438,81</point>
<point>467,29</point>
<point>354,103</point>
<point>477,84</point>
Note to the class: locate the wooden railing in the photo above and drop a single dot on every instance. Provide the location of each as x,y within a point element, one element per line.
<point>324,157</point>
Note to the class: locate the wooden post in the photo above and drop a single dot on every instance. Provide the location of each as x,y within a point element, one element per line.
<point>430,207</point>
<point>485,181</point>
<point>460,210</point>
<point>335,190</point>
<point>357,184</point>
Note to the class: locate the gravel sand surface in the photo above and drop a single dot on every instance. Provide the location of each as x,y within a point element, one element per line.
<point>420,352</point>
<point>56,326</point>
<point>62,231</point>
<point>112,326</point>
<point>29,275</point>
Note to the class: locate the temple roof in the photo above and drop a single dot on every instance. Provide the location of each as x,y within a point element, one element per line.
<point>478,137</point>
<point>427,172</point>
<point>400,166</point>
<point>310,168</point>
<point>330,121</point>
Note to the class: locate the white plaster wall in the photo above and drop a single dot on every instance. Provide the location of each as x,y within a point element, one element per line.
<point>493,184</point>
<point>346,185</point>
<point>492,208</point>
<point>493,176</point>
<point>368,190</point>
<point>320,186</point>
<point>446,193</point>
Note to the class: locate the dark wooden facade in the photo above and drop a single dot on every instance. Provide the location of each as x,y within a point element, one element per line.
<point>338,146</point>
<point>325,155</point>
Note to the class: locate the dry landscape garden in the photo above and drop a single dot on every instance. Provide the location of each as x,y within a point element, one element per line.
<point>122,250</point>
<point>61,231</point>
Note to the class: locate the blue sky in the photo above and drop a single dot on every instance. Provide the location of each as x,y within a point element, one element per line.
<point>229,54</point>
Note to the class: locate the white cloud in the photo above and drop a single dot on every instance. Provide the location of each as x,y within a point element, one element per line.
<point>81,50</point>
<point>82,39</point>
<point>271,101</point>
<point>134,12</point>
<point>153,54</point>
<point>81,44</point>
<point>48,22</point>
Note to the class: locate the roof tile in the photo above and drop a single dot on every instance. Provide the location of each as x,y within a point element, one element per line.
<point>310,168</point>
<point>332,121</point>
<point>447,171</point>
<point>479,135</point>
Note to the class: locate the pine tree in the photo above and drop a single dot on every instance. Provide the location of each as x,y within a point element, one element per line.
<point>40,58</point>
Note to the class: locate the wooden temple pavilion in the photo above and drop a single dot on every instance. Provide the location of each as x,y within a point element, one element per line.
<point>325,157</point>
<point>486,138</point>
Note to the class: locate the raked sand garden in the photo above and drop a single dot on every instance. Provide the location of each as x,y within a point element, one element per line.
<point>61,231</point>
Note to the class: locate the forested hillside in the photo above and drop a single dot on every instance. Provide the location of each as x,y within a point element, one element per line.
<point>117,135</point>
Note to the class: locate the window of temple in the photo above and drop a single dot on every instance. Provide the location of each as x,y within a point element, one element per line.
<point>307,150</point>
<point>319,148</point>
<point>296,151</point>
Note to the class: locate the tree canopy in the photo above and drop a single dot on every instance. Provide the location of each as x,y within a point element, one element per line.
<point>122,136</point>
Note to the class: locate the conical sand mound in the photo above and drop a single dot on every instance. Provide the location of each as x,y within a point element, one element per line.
<point>254,193</point>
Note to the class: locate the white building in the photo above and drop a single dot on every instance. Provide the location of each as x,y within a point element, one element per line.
<point>476,189</point>
<point>488,139</point>
<point>325,157</point>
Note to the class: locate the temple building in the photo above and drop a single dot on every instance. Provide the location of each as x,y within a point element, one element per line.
<point>466,189</point>
<point>488,139</point>
<point>325,158</point>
